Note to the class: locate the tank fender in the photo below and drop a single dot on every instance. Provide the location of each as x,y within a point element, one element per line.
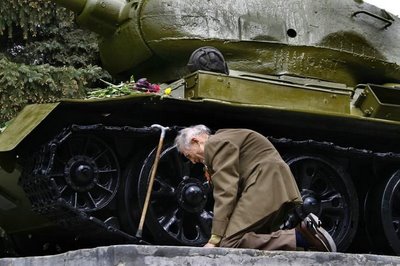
<point>26,121</point>
<point>21,126</point>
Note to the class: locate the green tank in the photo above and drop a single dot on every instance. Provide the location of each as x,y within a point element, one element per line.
<point>320,79</point>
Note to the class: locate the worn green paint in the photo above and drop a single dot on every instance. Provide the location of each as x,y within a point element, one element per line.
<point>23,124</point>
<point>325,39</point>
<point>102,17</point>
<point>255,90</point>
<point>380,102</point>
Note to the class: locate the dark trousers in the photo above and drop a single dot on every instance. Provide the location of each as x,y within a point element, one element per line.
<point>263,236</point>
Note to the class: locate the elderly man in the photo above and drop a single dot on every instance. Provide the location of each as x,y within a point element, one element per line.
<point>253,190</point>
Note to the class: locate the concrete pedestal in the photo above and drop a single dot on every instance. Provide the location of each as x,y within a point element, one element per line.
<point>124,255</point>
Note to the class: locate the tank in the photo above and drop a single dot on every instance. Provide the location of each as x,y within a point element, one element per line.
<point>320,79</point>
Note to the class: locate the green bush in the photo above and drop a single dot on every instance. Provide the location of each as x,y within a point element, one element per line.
<point>22,84</point>
<point>31,17</point>
<point>44,56</point>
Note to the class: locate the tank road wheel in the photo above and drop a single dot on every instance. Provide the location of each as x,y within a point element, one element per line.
<point>86,172</point>
<point>382,215</point>
<point>180,211</point>
<point>328,192</point>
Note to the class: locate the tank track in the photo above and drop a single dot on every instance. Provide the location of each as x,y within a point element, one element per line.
<point>45,197</point>
<point>333,148</point>
<point>46,200</point>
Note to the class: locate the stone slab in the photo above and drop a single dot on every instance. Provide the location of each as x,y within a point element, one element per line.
<point>126,255</point>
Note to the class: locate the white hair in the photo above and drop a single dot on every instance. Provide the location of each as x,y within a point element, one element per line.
<point>185,135</point>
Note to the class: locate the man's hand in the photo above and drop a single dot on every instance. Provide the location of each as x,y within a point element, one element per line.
<point>209,245</point>
<point>213,241</point>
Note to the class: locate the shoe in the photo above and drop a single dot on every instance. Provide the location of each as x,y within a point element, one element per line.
<point>318,238</point>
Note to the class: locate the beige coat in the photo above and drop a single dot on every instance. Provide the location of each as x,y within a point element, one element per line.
<point>250,179</point>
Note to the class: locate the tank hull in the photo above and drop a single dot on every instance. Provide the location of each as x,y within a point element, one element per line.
<point>320,127</point>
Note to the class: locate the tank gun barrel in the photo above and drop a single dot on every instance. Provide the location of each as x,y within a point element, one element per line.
<point>100,16</point>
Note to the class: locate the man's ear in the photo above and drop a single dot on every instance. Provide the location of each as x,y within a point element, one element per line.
<point>194,140</point>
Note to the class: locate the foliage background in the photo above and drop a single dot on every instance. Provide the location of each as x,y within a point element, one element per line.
<point>43,56</point>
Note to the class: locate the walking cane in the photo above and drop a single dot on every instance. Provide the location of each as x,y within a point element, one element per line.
<point>152,176</point>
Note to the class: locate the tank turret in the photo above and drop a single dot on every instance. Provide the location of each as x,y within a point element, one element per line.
<point>348,41</point>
